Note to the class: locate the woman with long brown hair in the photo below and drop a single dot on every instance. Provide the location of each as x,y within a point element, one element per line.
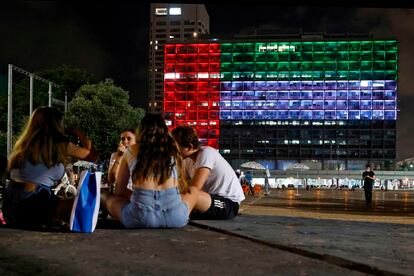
<point>160,196</point>
<point>36,164</point>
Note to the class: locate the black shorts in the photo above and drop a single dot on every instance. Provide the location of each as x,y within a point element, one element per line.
<point>220,208</point>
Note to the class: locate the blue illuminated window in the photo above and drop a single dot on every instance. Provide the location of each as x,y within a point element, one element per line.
<point>366,114</point>
<point>390,115</point>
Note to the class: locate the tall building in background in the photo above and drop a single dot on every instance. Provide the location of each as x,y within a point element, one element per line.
<point>330,103</point>
<point>170,22</point>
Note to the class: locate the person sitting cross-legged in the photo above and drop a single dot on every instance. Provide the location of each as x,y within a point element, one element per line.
<point>220,190</point>
<point>159,196</point>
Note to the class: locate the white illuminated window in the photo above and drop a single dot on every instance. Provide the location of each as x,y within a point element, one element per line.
<point>171,75</point>
<point>161,11</point>
<point>175,11</point>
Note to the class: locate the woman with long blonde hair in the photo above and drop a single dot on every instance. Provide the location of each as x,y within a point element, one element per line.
<point>160,196</point>
<point>36,164</point>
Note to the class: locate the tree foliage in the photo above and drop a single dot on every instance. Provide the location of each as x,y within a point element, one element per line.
<point>102,111</point>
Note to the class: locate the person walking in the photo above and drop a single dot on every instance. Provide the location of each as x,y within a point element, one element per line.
<point>368,177</point>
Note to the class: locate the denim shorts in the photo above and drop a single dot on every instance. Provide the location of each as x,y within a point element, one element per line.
<point>155,209</point>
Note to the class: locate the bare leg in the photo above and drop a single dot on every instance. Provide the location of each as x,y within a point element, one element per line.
<point>114,204</point>
<point>198,200</point>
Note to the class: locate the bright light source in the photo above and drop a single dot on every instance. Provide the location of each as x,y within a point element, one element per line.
<point>195,34</point>
<point>161,11</point>
<point>175,11</point>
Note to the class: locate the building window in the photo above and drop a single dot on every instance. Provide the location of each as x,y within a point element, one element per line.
<point>161,11</point>
<point>175,11</point>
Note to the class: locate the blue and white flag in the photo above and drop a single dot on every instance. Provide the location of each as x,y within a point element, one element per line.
<point>84,216</point>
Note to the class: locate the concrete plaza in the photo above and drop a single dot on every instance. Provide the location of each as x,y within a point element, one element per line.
<point>319,232</point>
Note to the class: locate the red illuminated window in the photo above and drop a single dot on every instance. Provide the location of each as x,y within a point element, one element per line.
<point>192,90</point>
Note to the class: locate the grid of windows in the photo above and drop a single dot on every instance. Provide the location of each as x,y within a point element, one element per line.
<point>193,98</point>
<point>309,80</point>
<point>222,87</point>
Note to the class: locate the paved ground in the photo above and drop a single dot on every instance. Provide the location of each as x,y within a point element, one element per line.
<point>320,232</point>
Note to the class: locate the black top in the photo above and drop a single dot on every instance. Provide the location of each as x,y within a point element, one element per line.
<point>367,180</point>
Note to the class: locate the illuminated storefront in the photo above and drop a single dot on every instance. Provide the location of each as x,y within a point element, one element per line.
<point>278,101</point>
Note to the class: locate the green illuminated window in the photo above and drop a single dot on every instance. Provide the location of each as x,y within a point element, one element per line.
<point>274,66</point>
<point>272,56</point>
<point>343,46</point>
<point>226,47</point>
<point>260,66</point>
<point>306,65</point>
<point>296,66</point>
<point>304,61</point>
<point>354,65</point>
<point>366,65</point>
<point>318,65</point>
<point>331,46</point>
<point>379,46</point>
<point>226,57</point>
<point>343,55</point>
<point>284,56</point>
<point>318,56</point>
<point>260,56</point>
<point>319,46</point>
<point>391,45</point>
<point>343,65</point>
<point>307,46</point>
<point>307,56</point>
<point>330,65</point>
<point>295,56</point>
<point>355,46</point>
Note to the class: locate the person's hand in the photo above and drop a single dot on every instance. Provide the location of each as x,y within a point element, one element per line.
<point>121,149</point>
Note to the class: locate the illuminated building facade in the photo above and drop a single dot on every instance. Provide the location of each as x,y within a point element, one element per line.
<point>332,103</point>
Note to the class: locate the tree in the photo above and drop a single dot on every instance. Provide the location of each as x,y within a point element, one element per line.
<point>69,78</point>
<point>102,112</point>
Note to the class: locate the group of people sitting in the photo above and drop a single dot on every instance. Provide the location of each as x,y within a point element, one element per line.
<point>161,178</point>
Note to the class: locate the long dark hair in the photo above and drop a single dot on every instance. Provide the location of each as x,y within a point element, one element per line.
<point>157,152</point>
<point>43,139</point>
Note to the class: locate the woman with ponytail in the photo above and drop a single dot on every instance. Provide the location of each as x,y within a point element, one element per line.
<point>160,197</point>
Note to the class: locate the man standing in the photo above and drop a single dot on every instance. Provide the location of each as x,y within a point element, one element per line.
<point>368,177</point>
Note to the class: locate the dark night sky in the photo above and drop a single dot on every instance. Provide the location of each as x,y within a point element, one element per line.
<point>110,39</point>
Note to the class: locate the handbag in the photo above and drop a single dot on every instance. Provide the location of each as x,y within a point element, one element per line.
<point>84,215</point>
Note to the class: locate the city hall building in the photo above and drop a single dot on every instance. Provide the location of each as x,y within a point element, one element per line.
<point>327,102</point>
